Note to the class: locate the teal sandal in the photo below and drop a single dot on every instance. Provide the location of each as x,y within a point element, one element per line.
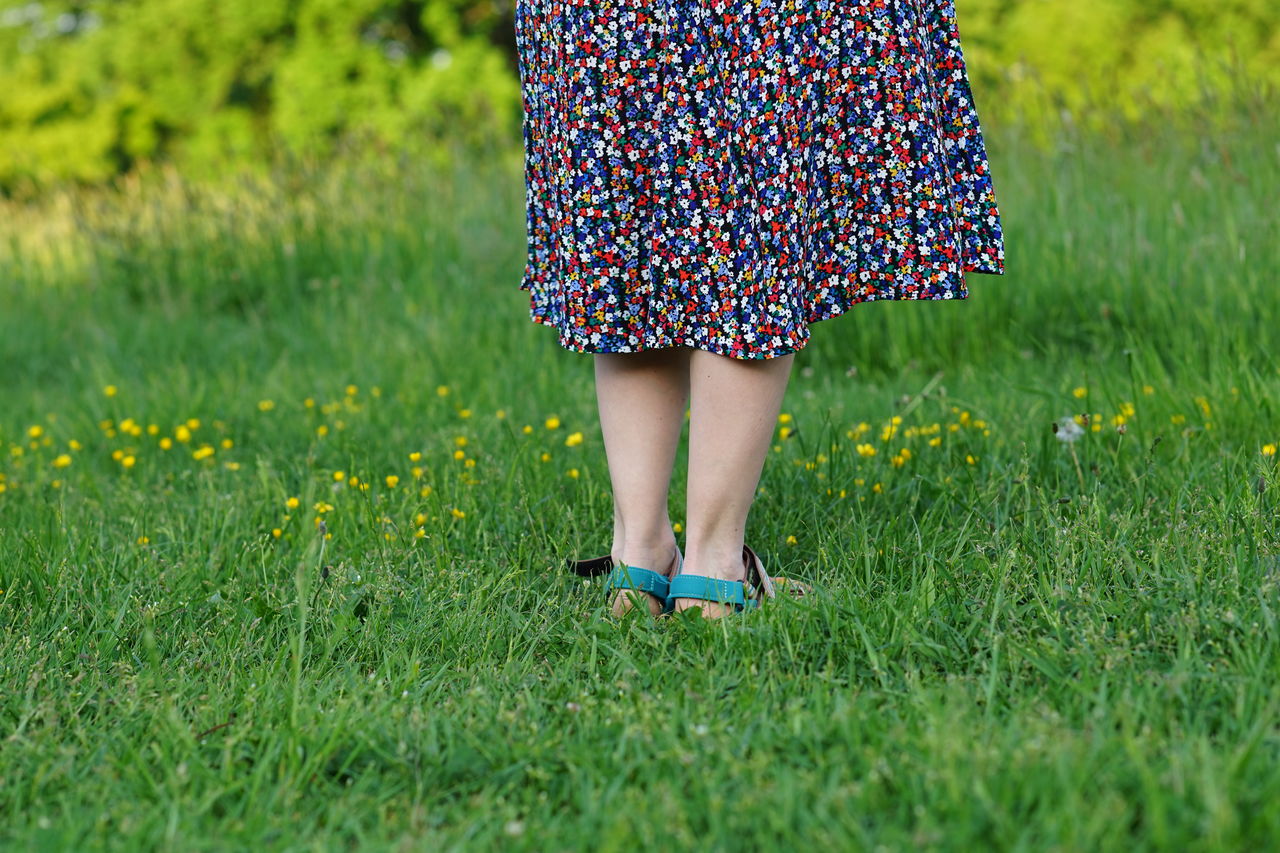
<point>622,576</point>
<point>747,594</point>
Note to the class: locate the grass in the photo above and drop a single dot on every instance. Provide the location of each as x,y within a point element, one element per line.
<point>1019,642</point>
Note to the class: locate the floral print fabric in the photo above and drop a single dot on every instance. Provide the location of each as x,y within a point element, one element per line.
<point>719,174</point>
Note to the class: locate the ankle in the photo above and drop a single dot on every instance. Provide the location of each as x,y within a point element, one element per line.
<point>722,562</point>
<point>659,556</point>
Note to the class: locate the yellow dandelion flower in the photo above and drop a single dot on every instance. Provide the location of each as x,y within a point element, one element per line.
<point>457,513</point>
<point>552,422</point>
<point>895,420</point>
<point>109,390</point>
<point>353,481</point>
<point>784,418</point>
<point>464,413</point>
<point>877,488</point>
<point>392,481</point>
<point>182,433</point>
<point>1147,389</point>
<point>545,457</point>
<point>573,472</point>
<point>292,503</point>
<point>63,460</point>
<point>35,431</point>
<point>420,518</point>
<point>419,533</point>
<point>442,390</point>
<point>55,484</point>
<point>74,445</point>
<point>935,441</point>
<point>339,476</point>
<point>166,443</point>
<point>1268,450</point>
<point>322,430</point>
<point>128,461</point>
<point>117,454</point>
<point>3,488</point>
<point>415,456</point>
<point>791,540</point>
<point>573,440</point>
<point>193,423</point>
<point>970,458</point>
<point>144,540</point>
<point>866,450</point>
<point>470,463</point>
<point>1178,419</point>
<point>1116,420</point>
<point>352,390</point>
<point>375,391</point>
<point>896,461</point>
<point>266,405</point>
<point>858,481</point>
<point>416,471</point>
<point>1079,392</point>
<point>276,532</point>
<point>1127,410</point>
<point>1096,427</point>
<point>459,454</point>
<point>784,432</point>
<point>526,429</point>
<point>677,527</point>
<point>309,403</point>
<point>202,453</point>
<point>227,444</point>
<point>424,491</point>
<point>501,414</point>
<point>461,441</point>
<point>842,493</point>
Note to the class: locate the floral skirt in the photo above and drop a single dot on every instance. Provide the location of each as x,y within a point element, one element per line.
<point>719,174</point>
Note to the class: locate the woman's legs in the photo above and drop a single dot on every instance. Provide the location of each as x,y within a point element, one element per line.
<point>734,412</point>
<point>642,399</point>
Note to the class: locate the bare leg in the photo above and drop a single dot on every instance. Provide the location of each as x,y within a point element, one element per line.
<point>642,398</point>
<point>734,413</point>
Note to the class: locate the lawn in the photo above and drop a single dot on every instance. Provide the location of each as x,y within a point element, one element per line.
<point>288,479</point>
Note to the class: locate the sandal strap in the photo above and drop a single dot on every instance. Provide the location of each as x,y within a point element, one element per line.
<point>711,589</point>
<point>593,568</point>
<point>645,580</point>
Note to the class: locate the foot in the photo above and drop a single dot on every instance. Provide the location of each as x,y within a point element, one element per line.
<point>662,560</point>
<point>712,609</point>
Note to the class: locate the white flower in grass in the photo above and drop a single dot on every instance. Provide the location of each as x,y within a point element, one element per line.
<point>1066,429</point>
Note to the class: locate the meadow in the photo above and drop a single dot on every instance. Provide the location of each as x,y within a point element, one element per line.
<point>288,479</point>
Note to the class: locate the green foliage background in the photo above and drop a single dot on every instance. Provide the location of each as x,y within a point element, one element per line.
<point>93,87</point>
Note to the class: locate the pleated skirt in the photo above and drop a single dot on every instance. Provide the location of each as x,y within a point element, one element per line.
<point>720,174</point>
